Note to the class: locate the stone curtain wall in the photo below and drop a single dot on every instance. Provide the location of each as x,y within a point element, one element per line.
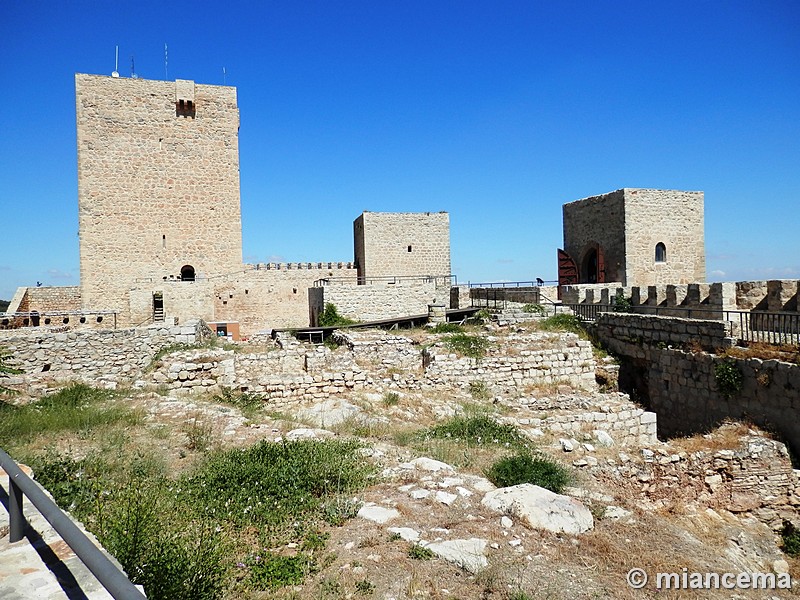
<point>382,242</point>
<point>97,357</point>
<point>600,220</point>
<point>681,386</point>
<point>673,218</point>
<point>274,295</point>
<point>380,300</point>
<point>157,190</point>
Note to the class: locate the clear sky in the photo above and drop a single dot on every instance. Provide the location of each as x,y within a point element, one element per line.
<point>497,112</point>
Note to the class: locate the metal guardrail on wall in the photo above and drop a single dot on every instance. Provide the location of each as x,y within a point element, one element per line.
<point>748,326</point>
<point>106,572</point>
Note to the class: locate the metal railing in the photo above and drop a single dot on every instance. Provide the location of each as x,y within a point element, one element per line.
<point>106,572</point>
<point>449,280</point>
<point>747,326</point>
<point>511,284</point>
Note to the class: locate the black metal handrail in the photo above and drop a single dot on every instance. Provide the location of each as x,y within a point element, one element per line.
<point>106,572</point>
<point>511,284</point>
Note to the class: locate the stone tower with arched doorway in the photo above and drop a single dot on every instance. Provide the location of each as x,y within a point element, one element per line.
<point>634,237</point>
<point>158,187</point>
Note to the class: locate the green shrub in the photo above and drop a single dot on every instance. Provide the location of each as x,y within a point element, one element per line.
<point>479,390</point>
<point>447,328</point>
<point>790,539</point>
<point>536,309</point>
<point>621,303</point>
<point>418,552</point>
<point>526,467</point>
<point>391,399</point>
<point>728,377</point>
<point>478,429</point>
<point>473,346</point>
<point>330,317</point>
<point>480,317</point>
<point>562,322</point>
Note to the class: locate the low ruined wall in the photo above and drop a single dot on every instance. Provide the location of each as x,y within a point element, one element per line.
<point>681,387</point>
<point>300,371</point>
<point>541,359</point>
<point>755,479</point>
<point>618,331</point>
<point>93,356</point>
<point>373,302</point>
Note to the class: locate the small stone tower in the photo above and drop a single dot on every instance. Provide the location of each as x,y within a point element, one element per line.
<point>635,237</point>
<point>158,185</point>
<point>401,244</point>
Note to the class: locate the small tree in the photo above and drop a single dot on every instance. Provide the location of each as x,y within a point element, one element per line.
<point>330,317</point>
<point>6,369</point>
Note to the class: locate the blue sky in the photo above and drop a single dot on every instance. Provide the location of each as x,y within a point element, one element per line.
<point>497,112</point>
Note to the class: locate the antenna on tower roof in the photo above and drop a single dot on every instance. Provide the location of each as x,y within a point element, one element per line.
<point>166,75</point>
<point>224,76</point>
<point>133,71</point>
<point>115,72</point>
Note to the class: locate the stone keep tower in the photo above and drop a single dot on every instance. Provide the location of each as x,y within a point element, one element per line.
<point>635,237</point>
<point>401,244</point>
<point>158,185</point>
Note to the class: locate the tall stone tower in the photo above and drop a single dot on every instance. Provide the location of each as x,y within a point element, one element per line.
<point>634,237</point>
<point>158,185</point>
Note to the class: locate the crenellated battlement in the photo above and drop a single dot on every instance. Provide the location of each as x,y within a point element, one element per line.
<point>296,266</point>
<point>774,295</point>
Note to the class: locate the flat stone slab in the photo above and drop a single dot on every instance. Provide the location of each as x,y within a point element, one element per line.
<point>469,554</point>
<point>540,508</point>
<point>427,464</point>
<point>377,514</point>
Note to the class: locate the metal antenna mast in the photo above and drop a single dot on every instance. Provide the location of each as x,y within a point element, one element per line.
<point>166,75</point>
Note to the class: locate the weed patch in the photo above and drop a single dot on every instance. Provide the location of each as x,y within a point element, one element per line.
<point>563,322</point>
<point>465,344</point>
<point>76,408</point>
<point>447,328</point>
<point>478,429</point>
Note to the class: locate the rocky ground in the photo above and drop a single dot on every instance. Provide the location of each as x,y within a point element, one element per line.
<point>657,507</point>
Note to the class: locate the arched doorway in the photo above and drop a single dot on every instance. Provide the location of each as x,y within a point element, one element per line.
<point>592,266</point>
<point>187,273</point>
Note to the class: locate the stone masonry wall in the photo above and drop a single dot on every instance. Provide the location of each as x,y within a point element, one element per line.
<point>647,330</point>
<point>597,220</point>
<point>158,185</point>
<point>93,356</point>
<point>402,244</point>
<point>294,371</point>
<point>47,299</point>
<point>681,387</point>
<point>379,301</point>
<point>671,217</point>
<point>539,359</point>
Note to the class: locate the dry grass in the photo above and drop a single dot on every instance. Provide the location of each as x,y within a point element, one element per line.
<point>727,436</point>
<point>784,352</point>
